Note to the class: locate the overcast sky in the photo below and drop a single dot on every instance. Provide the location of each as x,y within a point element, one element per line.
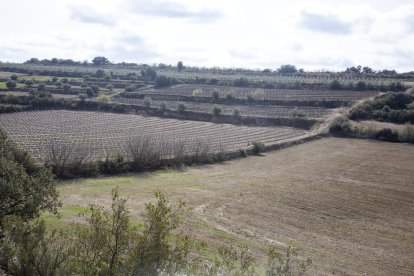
<point>312,34</point>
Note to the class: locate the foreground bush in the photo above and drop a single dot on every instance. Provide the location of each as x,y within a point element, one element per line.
<point>25,189</point>
<point>108,244</point>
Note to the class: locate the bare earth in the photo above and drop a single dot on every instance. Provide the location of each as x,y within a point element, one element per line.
<point>348,204</point>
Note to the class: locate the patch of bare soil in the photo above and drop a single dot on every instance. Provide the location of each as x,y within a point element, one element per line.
<point>346,203</point>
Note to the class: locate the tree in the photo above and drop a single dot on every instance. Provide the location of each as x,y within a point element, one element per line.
<point>41,87</point>
<point>95,88</point>
<point>287,69</point>
<point>216,110</point>
<point>14,77</point>
<point>215,94</point>
<point>100,73</point>
<point>149,74</point>
<point>164,81</point>
<point>361,86</point>
<point>100,61</point>
<point>335,85</point>
<point>181,108</point>
<point>89,92</point>
<point>367,70</point>
<point>25,189</point>
<point>11,84</point>
<point>66,88</point>
<point>180,66</point>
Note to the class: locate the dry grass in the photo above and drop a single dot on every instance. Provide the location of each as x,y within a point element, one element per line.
<point>379,125</point>
<point>348,204</point>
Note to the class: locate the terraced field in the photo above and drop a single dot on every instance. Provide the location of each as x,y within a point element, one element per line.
<point>265,94</point>
<point>270,111</point>
<point>96,134</point>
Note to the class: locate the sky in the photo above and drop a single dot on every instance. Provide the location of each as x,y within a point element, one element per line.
<point>311,34</point>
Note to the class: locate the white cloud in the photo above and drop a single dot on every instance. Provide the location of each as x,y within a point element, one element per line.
<point>234,33</point>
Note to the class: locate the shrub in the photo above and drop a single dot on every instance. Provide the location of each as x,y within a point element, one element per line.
<point>229,96</point>
<point>296,113</point>
<point>103,98</point>
<point>236,113</point>
<point>146,154</point>
<point>241,82</point>
<point>361,86</point>
<point>147,101</point>
<point>216,110</point>
<point>66,87</point>
<point>250,98</point>
<point>100,73</point>
<point>26,189</point>
<point>407,134</point>
<point>41,87</point>
<point>11,84</point>
<point>181,108</point>
<point>10,97</point>
<point>287,69</point>
<point>340,125</point>
<point>14,77</point>
<point>335,85</point>
<point>89,92</point>
<point>82,96</point>
<point>114,165</point>
<point>163,108</point>
<point>110,87</point>
<point>387,134</point>
<point>258,147</point>
<point>164,81</point>
<point>197,92</point>
<point>130,88</point>
<point>259,94</point>
<point>215,94</point>
<point>95,88</point>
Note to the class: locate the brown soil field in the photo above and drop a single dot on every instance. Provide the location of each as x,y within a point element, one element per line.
<point>346,203</point>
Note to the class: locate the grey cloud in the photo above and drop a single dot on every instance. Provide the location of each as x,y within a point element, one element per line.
<point>86,15</point>
<point>324,23</point>
<point>133,48</point>
<point>173,10</point>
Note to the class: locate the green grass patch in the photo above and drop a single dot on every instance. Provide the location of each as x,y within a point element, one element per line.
<point>3,85</point>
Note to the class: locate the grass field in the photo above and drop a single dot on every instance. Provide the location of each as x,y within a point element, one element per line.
<point>347,204</point>
<point>3,85</point>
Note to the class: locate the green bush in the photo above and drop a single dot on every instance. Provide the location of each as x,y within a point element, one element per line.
<point>181,108</point>
<point>147,101</point>
<point>114,165</point>
<point>163,108</point>
<point>335,85</point>
<point>216,110</point>
<point>407,135</point>
<point>340,126</point>
<point>258,147</point>
<point>387,134</point>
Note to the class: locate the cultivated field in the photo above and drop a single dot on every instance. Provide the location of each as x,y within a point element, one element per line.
<point>264,94</point>
<point>97,134</point>
<point>346,203</point>
<point>270,111</point>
